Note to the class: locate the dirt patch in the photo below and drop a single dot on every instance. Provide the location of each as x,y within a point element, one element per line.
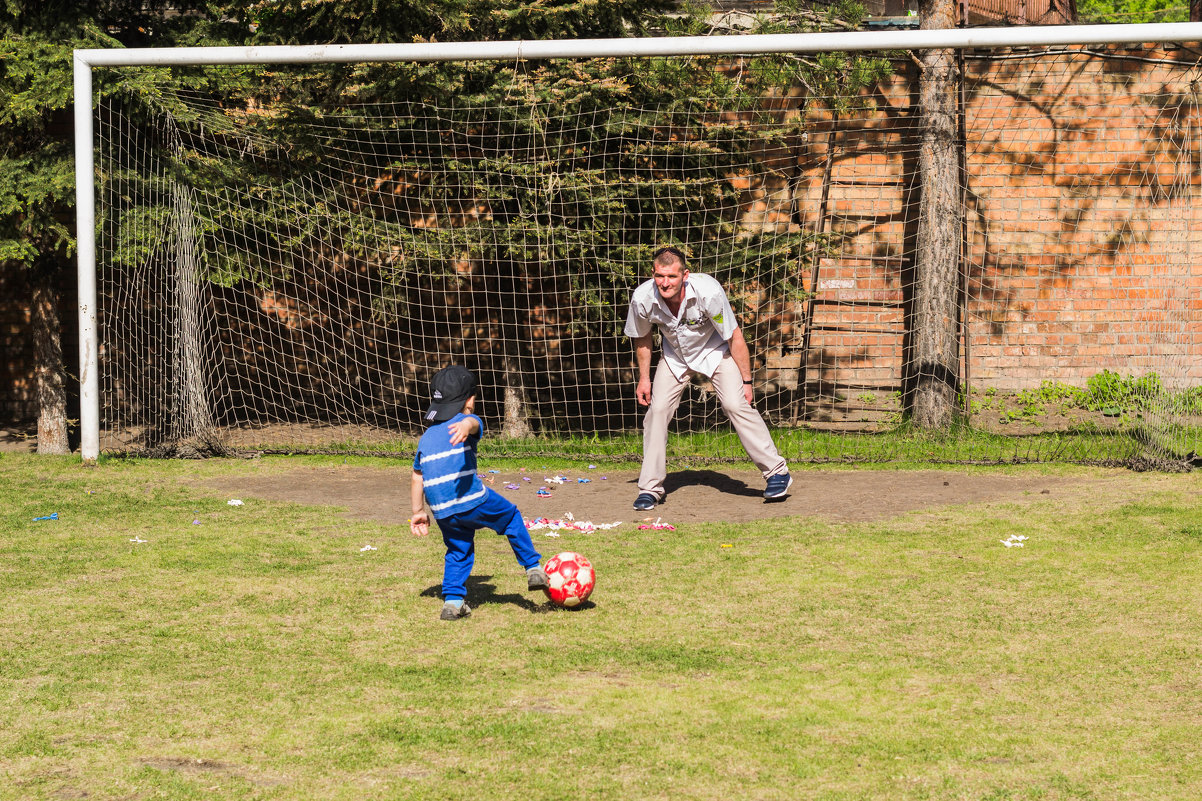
<point>370,493</point>
<point>212,767</point>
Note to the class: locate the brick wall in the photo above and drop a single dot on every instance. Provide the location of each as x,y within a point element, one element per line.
<point>1083,177</point>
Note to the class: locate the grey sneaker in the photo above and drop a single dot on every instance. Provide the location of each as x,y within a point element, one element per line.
<point>778,486</point>
<point>452,612</point>
<point>645,502</point>
<point>536,579</point>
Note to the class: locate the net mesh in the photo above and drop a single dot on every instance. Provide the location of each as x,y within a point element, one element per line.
<point>257,294</point>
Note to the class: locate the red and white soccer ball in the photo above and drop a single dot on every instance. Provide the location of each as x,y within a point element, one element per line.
<point>572,579</point>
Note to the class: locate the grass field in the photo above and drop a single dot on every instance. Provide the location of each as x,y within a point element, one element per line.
<point>158,643</point>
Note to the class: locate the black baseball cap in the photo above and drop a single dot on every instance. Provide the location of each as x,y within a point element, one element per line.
<point>450,387</point>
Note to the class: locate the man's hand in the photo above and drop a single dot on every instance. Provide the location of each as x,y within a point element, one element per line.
<point>643,391</point>
<point>749,393</point>
<point>419,524</point>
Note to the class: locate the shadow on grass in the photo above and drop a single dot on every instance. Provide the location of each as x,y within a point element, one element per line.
<point>481,591</point>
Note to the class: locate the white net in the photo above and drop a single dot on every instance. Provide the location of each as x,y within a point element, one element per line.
<point>286,279</point>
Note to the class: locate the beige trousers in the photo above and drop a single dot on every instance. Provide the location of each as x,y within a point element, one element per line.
<point>748,424</point>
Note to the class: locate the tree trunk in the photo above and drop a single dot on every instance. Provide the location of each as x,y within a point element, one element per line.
<point>516,422</point>
<point>931,372</point>
<point>48,364</point>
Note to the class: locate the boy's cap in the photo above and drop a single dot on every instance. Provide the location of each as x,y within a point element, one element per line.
<point>450,387</point>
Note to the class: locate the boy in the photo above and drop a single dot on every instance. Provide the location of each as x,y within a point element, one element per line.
<point>444,472</point>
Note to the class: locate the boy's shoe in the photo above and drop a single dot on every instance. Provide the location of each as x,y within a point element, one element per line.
<point>452,612</point>
<point>536,579</point>
<point>778,486</point>
<point>645,502</point>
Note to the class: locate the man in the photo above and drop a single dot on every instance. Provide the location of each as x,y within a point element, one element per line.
<point>699,335</point>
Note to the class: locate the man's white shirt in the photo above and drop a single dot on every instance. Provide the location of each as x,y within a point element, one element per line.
<point>695,338</point>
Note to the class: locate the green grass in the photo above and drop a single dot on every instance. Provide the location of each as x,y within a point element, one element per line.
<point>259,653</point>
<point>961,445</point>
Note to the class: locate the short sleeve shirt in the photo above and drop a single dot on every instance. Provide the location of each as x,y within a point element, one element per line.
<point>696,338</point>
<point>449,476</point>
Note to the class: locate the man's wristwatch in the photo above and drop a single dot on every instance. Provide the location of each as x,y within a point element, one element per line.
<point>747,383</point>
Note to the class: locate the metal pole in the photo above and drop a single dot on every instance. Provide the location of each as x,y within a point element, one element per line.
<point>962,323</point>
<point>655,46</point>
<point>849,41</point>
<point>85,233</point>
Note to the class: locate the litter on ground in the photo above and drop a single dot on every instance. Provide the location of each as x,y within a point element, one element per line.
<point>567,523</point>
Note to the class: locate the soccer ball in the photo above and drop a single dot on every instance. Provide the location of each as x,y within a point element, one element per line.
<point>572,579</point>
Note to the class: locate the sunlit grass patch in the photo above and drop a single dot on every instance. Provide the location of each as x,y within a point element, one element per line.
<point>258,652</point>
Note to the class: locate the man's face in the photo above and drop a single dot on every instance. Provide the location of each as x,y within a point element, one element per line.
<point>669,279</point>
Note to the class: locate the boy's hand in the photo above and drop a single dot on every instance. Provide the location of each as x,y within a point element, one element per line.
<point>461,430</point>
<point>419,524</point>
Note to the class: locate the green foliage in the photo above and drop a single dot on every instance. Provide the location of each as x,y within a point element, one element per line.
<point>552,195</point>
<point>1131,11</point>
<point>510,143</point>
<point>1113,393</point>
<point>1108,392</point>
<point>37,180</point>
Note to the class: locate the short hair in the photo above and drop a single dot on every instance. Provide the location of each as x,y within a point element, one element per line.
<point>658,256</point>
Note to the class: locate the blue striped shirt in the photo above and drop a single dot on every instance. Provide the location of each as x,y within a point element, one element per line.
<point>449,471</point>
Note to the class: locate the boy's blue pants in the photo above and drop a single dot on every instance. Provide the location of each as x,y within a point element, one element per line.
<point>459,535</point>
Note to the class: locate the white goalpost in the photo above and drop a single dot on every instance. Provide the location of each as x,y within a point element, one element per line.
<point>1076,291</point>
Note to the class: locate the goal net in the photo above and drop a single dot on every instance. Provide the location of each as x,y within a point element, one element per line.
<point>285,278</point>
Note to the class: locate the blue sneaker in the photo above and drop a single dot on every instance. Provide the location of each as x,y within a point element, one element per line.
<point>778,486</point>
<point>645,502</point>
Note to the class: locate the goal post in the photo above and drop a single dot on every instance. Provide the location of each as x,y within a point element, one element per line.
<point>818,235</point>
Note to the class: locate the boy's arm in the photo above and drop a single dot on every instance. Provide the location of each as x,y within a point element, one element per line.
<point>419,524</point>
<point>463,429</point>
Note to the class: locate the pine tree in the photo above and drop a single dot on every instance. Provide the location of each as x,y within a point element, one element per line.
<point>37,179</point>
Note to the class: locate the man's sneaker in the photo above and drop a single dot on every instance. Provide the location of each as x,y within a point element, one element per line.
<point>452,611</point>
<point>778,486</point>
<point>536,579</point>
<point>645,502</point>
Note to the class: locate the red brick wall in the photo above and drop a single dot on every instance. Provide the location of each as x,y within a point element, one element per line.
<point>1084,180</point>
